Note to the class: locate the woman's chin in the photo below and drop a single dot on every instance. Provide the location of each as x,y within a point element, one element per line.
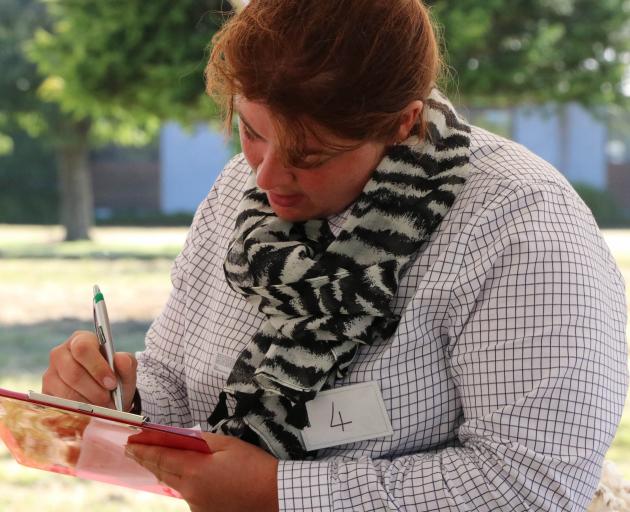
<point>294,214</point>
<point>290,208</point>
<point>291,214</point>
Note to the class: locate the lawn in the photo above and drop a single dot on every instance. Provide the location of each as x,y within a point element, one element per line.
<point>45,292</point>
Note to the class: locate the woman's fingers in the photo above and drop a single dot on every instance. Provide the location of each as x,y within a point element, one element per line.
<point>79,371</point>
<point>85,351</point>
<point>76,377</point>
<point>236,476</point>
<point>53,385</point>
<point>66,373</point>
<point>168,465</point>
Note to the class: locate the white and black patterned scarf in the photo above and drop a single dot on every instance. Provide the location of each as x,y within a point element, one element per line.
<point>323,296</point>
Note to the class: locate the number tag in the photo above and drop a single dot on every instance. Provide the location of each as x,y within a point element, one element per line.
<point>346,415</point>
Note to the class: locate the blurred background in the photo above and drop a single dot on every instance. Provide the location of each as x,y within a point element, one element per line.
<point>108,143</point>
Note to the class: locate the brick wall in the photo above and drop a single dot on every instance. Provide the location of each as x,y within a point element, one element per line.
<point>619,184</point>
<point>126,186</point>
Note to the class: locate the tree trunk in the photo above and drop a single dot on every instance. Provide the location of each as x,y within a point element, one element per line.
<point>75,181</point>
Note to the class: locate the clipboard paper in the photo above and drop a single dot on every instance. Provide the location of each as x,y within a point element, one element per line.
<point>86,441</point>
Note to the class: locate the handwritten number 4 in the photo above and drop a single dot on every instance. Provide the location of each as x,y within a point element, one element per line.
<point>340,423</point>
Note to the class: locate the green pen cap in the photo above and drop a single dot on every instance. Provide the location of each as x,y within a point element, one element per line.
<point>98,296</point>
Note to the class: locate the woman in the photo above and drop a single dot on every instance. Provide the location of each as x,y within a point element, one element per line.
<point>371,242</point>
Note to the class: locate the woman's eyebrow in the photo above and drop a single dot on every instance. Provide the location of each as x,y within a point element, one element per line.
<point>307,152</point>
<point>249,126</point>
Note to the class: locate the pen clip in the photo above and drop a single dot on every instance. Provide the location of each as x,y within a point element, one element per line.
<point>98,328</point>
<point>101,336</point>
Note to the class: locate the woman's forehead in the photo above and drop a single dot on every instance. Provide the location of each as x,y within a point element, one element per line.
<point>267,124</point>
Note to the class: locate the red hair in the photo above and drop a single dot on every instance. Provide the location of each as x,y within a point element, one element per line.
<point>347,66</point>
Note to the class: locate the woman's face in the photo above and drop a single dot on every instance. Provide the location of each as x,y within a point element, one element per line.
<point>297,194</point>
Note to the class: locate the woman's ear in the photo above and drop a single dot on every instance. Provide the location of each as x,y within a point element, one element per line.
<point>408,118</point>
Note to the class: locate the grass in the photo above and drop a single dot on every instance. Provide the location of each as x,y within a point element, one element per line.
<point>619,452</point>
<point>45,292</point>
<point>40,290</point>
<point>25,489</point>
<point>25,348</point>
<point>133,238</point>
<point>106,243</point>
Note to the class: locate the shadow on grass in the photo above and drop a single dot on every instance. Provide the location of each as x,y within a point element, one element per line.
<point>24,349</point>
<point>35,254</point>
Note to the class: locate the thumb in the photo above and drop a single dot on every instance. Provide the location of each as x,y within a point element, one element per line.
<point>126,366</point>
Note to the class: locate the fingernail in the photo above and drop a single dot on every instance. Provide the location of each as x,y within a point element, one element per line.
<point>109,383</point>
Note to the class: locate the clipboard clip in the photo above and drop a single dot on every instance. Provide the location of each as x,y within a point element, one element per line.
<point>55,401</point>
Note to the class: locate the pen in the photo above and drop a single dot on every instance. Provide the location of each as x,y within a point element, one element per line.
<point>106,343</point>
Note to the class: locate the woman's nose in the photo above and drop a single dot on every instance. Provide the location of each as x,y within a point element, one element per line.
<point>272,174</point>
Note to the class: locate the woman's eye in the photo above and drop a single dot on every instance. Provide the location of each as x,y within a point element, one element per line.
<point>247,132</point>
<point>315,162</point>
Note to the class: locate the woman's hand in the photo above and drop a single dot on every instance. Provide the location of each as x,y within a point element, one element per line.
<point>78,371</point>
<point>237,476</point>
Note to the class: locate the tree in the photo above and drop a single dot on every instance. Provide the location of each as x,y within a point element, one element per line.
<point>510,51</point>
<point>26,122</point>
<point>19,77</point>
<point>116,69</point>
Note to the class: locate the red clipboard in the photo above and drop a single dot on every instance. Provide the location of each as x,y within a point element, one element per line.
<point>77,439</point>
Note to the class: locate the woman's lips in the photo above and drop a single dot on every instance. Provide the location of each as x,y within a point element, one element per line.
<point>282,200</point>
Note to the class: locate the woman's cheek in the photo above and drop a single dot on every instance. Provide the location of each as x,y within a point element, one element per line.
<point>251,154</point>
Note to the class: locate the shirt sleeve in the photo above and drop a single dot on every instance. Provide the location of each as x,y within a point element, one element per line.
<point>538,353</point>
<point>162,364</point>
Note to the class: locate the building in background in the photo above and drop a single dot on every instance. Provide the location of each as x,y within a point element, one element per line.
<point>176,174</point>
<point>571,139</point>
<point>189,164</point>
<point>170,177</point>
<point>591,151</point>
